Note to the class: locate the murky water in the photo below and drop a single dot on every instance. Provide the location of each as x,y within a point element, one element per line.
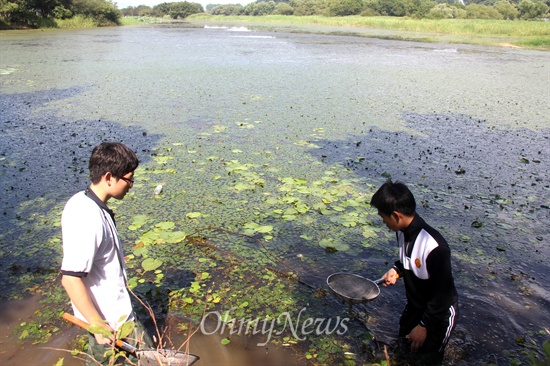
<point>467,127</point>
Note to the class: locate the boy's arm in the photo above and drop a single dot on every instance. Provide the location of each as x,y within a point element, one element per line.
<point>79,296</point>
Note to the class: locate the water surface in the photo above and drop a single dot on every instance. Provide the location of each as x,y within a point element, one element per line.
<point>465,126</point>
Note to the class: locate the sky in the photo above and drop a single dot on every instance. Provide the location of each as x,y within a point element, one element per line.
<point>121,4</point>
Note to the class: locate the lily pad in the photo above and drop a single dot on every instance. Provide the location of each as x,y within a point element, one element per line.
<point>150,264</point>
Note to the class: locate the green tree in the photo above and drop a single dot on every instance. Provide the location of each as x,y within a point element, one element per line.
<point>61,12</point>
<point>230,9</point>
<point>259,8</point>
<point>283,9</point>
<point>418,8</point>
<point>138,11</point>
<point>529,9</point>
<point>307,7</point>
<point>507,10</point>
<point>43,7</point>
<point>476,11</point>
<point>18,12</point>
<point>344,7</point>
<point>7,8</point>
<point>394,8</point>
<point>178,10</point>
<point>446,11</point>
<point>105,12</point>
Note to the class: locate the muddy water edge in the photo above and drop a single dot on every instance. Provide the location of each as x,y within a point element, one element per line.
<point>282,137</point>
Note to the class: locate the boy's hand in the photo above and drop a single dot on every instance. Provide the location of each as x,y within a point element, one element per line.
<point>417,337</point>
<point>100,339</point>
<point>390,277</point>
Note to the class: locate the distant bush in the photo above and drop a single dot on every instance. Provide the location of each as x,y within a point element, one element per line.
<point>344,7</point>
<point>227,9</point>
<point>283,9</point>
<point>61,12</point>
<point>307,7</point>
<point>477,11</point>
<point>178,10</point>
<point>507,10</point>
<point>105,12</point>
<point>446,11</point>
<point>259,8</point>
<point>532,9</point>
<point>418,9</point>
<point>394,8</point>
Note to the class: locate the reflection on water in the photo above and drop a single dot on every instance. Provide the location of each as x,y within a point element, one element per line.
<point>466,126</point>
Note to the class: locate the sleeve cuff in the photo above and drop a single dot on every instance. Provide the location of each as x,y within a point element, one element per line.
<point>74,274</point>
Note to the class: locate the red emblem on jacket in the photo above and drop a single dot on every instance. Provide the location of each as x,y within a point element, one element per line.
<point>417,263</point>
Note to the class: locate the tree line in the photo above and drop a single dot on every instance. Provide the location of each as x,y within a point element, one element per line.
<point>38,13</point>
<point>441,9</point>
<point>34,13</point>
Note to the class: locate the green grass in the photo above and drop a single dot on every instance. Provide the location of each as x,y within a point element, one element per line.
<point>75,22</point>
<point>139,20</point>
<point>531,34</point>
<point>451,26</point>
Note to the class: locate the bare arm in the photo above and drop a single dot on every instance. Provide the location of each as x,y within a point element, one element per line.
<point>79,296</point>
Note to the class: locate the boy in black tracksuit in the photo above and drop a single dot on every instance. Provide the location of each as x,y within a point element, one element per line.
<point>425,265</point>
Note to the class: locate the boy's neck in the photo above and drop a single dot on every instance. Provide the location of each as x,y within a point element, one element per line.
<point>405,221</point>
<point>100,191</point>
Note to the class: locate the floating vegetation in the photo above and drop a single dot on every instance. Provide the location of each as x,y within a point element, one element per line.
<point>262,189</point>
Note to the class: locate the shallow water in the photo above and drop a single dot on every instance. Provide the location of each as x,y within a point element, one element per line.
<point>467,127</point>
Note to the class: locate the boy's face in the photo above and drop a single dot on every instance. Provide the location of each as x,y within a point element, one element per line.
<point>391,221</point>
<point>123,185</point>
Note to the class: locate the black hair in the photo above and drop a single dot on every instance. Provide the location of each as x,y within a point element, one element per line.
<point>394,196</point>
<point>114,157</point>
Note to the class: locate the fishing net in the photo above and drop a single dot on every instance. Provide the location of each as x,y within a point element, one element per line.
<point>353,288</point>
<point>164,357</point>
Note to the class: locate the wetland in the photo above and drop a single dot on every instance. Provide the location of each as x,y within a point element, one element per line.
<point>268,145</point>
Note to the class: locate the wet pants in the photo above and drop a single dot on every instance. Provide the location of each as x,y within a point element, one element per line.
<point>437,338</point>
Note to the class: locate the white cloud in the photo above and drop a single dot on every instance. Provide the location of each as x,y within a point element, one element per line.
<point>121,4</point>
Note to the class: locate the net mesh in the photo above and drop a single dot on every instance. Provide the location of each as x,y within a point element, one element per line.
<point>353,287</point>
<point>162,357</point>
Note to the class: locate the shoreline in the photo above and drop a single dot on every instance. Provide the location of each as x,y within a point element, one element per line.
<point>393,30</point>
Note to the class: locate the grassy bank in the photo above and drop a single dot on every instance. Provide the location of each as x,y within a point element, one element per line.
<point>527,34</point>
<point>140,20</point>
<point>76,22</point>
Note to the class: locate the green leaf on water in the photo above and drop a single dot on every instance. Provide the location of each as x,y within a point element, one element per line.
<point>225,341</point>
<point>369,233</point>
<point>166,225</point>
<point>242,186</point>
<point>332,245</point>
<point>150,264</point>
<point>194,215</point>
<point>264,229</point>
<point>141,252</point>
<point>139,220</point>
<point>173,237</point>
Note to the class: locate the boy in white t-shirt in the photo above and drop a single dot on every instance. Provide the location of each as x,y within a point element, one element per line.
<point>94,274</point>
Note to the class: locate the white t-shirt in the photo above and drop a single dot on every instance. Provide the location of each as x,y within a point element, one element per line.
<point>90,246</point>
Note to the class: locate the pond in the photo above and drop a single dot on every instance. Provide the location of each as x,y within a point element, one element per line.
<point>268,145</point>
